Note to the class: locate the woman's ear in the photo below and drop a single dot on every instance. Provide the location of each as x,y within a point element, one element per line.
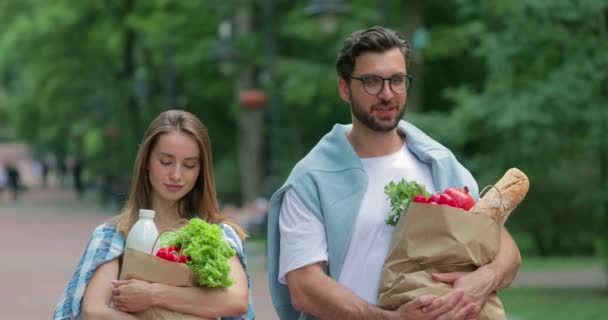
<point>344,88</point>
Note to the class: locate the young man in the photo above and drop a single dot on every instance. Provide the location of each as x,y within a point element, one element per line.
<point>327,236</point>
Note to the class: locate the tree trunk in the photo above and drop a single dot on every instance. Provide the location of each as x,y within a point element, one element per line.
<point>602,206</point>
<point>169,76</point>
<point>127,78</point>
<point>250,121</point>
<point>413,23</point>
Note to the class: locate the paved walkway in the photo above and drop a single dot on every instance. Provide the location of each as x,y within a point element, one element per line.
<point>44,234</point>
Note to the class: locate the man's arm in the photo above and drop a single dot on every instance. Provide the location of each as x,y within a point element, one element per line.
<point>507,261</point>
<point>496,275</point>
<point>315,293</point>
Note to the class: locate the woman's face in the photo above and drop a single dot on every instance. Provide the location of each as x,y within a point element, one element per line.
<point>173,166</point>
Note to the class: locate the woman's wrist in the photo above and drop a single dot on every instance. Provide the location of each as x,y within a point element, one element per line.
<point>156,295</point>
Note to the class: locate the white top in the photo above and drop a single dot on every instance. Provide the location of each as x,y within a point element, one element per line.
<point>303,240</point>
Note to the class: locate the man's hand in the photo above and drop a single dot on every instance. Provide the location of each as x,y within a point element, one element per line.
<point>477,285</point>
<point>451,306</point>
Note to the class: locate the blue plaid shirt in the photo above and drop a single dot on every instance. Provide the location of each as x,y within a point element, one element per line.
<point>107,244</point>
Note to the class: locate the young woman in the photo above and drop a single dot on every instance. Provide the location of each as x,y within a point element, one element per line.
<point>173,175</point>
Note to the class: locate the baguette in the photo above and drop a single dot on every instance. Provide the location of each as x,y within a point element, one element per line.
<point>504,196</point>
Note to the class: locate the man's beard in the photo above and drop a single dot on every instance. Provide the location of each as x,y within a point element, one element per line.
<point>370,122</point>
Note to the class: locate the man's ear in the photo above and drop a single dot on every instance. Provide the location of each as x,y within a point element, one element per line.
<point>344,89</point>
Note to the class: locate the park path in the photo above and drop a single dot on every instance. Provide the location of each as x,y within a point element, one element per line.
<point>44,234</point>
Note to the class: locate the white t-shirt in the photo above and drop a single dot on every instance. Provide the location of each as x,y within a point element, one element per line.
<point>303,241</point>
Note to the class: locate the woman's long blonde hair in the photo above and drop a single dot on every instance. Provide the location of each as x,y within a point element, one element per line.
<point>201,200</point>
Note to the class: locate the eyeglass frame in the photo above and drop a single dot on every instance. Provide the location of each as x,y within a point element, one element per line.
<point>407,78</point>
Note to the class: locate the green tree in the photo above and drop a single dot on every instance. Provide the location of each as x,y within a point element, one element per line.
<point>541,107</point>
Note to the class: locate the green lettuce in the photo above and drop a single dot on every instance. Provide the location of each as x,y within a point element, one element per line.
<point>209,253</point>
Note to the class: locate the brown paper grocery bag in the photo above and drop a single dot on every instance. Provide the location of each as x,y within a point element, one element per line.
<point>143,266</point>
<point>164,314</point>
<point>436,238</point>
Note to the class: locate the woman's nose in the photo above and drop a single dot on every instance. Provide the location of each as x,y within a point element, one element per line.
<point>176,173</point>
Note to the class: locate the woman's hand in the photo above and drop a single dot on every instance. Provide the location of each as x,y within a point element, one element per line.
<point>131,295</point>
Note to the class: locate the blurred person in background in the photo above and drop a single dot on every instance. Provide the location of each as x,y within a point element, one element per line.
<point>44,173</point>
<point>3,179</point>
<point>13,180</point>
<point>61,170</point>
<point>77,176</point>
<point>173,175</point>
<point>328,238</point>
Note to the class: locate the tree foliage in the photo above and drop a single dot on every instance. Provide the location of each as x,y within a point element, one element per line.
<point>541,107</point>
<point>515,83</point>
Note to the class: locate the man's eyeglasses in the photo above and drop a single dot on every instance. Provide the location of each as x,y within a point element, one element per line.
<point>373,84</point>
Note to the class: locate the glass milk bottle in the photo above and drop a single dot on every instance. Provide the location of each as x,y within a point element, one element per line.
<point>143,233</point>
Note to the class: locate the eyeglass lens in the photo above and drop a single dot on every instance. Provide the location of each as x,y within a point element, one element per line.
<point>375,84</point>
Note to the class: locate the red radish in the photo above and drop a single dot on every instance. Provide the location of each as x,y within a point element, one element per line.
<point>420,199</point>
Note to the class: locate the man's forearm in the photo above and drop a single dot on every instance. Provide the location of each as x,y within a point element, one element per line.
<point>315,293</point>
<point>506,262</point>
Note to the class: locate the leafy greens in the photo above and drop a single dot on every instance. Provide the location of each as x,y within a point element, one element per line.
<point>208,252</point>
<point>401,195</point>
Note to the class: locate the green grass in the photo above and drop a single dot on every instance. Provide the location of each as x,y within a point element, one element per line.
<point>555,263</point>
<point>555,304</point>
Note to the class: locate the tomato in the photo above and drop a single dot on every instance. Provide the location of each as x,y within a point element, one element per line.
<point>461,197</point>
<point>433,199</point>
<point>447,200</point>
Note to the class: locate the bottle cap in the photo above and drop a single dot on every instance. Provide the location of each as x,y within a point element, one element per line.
<point>146,213</point>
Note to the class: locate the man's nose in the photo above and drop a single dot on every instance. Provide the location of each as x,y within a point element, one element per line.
<point>386,92</point>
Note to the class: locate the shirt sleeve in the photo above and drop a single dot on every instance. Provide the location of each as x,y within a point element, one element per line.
<point>230,236</point>
<point>302,236</point>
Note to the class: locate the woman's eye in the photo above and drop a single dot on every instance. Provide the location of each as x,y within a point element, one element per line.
<point>165,163</point>
<point>190,165</point>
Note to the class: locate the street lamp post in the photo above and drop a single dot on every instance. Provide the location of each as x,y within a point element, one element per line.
<point>250,116</point>
<point>224,53</point>
<point>327,10</point>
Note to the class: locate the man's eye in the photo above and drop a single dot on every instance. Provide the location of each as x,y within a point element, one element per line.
<point>372,81</point>
<point>398,80</point>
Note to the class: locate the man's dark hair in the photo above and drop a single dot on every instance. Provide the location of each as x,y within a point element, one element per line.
<point>374,39</point>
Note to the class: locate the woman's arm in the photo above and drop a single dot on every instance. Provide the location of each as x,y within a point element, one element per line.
<point>134,295</point>
<point>98,294</point>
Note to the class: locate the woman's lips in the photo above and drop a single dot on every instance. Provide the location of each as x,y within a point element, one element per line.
<point>173,187</point>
